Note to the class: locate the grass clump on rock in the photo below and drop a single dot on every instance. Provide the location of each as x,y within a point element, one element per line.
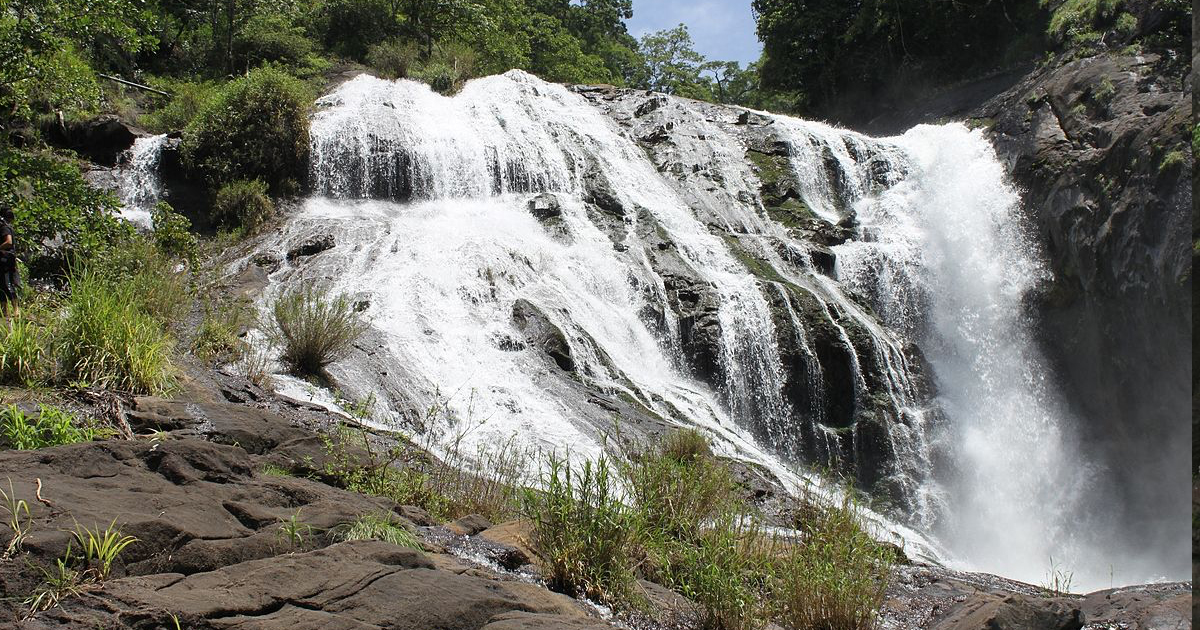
<point>23,352</point>
<point>314,328</point>
<point>243,203</point>
<point>51,426</point>
<point>108,338</point>
<point>583,531</point>
<point>835,575</point>
<point>380,527</point>
<point>684,524</point>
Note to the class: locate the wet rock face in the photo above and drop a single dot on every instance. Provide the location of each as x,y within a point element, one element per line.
<point>831,422</point>
<point>102,139</point>
<point>543,334</point>
<point>311,247</point>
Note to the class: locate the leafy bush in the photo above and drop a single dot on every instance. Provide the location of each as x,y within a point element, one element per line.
<point>58,214</point>
<point>724,571</point>
<point>685,445</point>
<point>314,328</point>
<point>686,527</point>
<point>835,576</point>
<point>392,59</point>
<point>1076,21</point>
<point>50,427</point>
<point>1126,26</point>
<point>23,353</point>
<point>243,203</point>
<point>107,338</point>
<point>1172,160</point>
<point>678,488</point>
<point>66,83</point>
<point>188,99</point>
<point>173,232</point>
<point>447,69</point>
<point>219,334</point>
<point>256,128</point>
<point>582,531</point>
<point>150,277</point>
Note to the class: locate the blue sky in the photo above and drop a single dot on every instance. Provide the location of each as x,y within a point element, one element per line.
<point>722,29</point>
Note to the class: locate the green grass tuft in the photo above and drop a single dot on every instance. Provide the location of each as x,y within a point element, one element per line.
<point>108,339</point>
<point>24,359</point>
<point>314,328</point>
<point>380,527</point>
<point>51,426</point>
<point>582,531</point>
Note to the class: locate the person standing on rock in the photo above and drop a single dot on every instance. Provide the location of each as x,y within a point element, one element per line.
<point>10,281</point>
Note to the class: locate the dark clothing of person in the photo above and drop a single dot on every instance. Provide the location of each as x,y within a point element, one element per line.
<point>10,280</point>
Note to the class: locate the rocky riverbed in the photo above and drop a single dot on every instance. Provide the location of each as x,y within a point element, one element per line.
<point>215,549</point>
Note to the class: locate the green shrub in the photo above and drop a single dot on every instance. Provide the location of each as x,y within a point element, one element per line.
<point>219,336</point>
<point>1104,92</point>
<point>1172,160</point>
<point>678,488</point>
<point>379,527</point>
<point>50,427</point>
<point>447,69</point>
<point>690,526</point>
<point>244,204</point>
<point>1076,21</point>
<point>357,466</point>
<point>24,359</point>
<point>59,216</point>
<point>835,576</point>
<point>582,531</point>
<point>188,99</point>
<point>314,328</point>
<point>148,275</point>
<point>725,571</point>
<point>256,128</point>
<point>685,445</point>
<point>106,338</point>
<point>1126,26</point>
<point>173,232</point>
<point>392,59</point>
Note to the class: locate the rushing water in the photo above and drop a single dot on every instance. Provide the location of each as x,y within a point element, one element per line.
<point>428,200</point>
<point>139,183</point>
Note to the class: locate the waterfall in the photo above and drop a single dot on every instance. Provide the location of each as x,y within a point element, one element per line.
<point>807,295</point>
<point>139,185</point>
<point>947,259</point>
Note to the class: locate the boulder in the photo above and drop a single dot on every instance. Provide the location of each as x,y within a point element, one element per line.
<point>311,247</point>
<point>102,139</point>
<point>510,543</point>
<point>469,525</point>
<point>545,207</point>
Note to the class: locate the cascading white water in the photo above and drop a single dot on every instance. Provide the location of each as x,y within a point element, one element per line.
<point>946,259</point>
<point>427,197</point>
<point>139,184</point>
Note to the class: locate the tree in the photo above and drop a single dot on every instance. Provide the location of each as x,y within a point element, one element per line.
<point>431,20</point>
<point>672,65</point>
<point>841,56</point>
<point>32,34</point>
<point>731,83</point>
